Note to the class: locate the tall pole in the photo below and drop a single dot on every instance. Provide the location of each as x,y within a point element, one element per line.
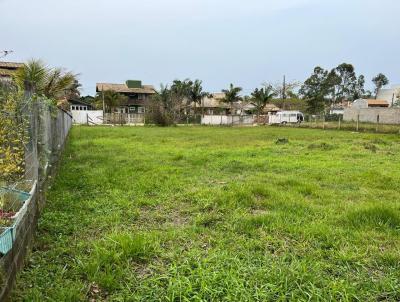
<point>284,92</point>
<point>284,88</point>
<point>102,95</point>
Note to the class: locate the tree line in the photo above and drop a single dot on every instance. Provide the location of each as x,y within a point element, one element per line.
<point>321,90</point>
<point>325,88</point>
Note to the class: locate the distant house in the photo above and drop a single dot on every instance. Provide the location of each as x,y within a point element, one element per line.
<point>80,105</point>
<point>213,104</point>
<point>338,108</point>
<point>7,69</point>
<point>137,95</point>
<point>389,94</point>
<point>271,109</point>
<point>372,111</point>
<point>370,103</point>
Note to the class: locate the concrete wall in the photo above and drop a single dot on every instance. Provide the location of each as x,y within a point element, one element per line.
<point>227,120</point>
<point>386,115</point>
<point>82,116</point>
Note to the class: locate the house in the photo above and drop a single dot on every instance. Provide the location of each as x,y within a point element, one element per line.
<point>338,108</point>
<point>390,95</point>
<point>136,93</point>
<point>271,109</point>
<point>213,104</point>
<point>7,69</point>
<point>372,111</point>
<point>79,105</point>
<point>370,103</point>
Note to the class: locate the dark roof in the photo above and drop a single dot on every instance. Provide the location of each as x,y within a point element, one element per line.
<point>122,88</point>
<point>8,68</point>
<point>10,65</point>
<point>73,102</point>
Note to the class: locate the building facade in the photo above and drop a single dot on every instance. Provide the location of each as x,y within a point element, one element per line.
<point>136,93</point>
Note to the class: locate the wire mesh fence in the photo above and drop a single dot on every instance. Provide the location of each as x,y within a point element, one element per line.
<point>336,122</point>
<point>32,133</point>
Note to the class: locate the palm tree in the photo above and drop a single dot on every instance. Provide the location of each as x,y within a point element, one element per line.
<point>32,77</point>
<point>231,96</point>
<point>111,99</point>
<point>196,95</point>
<point>261,97</point>
<point>162,97</point>
<point>60,84</point>
<point>35,77</point>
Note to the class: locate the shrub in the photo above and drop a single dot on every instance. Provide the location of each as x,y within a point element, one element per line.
<point>13,136</point>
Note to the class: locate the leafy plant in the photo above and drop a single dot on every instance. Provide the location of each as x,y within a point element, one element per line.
<point>232,96</point>
<point>261,97</point>
<point>35,77</point>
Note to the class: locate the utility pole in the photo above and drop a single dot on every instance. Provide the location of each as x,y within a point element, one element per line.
<point>284,91</point>
<point>284,88</point>
<point>102,96</point>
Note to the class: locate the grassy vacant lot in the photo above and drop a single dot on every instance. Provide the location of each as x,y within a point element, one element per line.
<point>219,214</point>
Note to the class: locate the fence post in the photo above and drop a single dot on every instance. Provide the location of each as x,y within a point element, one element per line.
<point>358,120</point>
<point>339,121</point>
<point>87,119</point>
<point>377,122</point>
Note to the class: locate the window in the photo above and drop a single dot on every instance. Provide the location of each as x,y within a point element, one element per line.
<point>140,96</point>
<point>140,109</point>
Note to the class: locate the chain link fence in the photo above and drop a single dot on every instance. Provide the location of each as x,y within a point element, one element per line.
<point>32,134</point>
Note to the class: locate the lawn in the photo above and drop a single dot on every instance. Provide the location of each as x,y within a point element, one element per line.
<point>219,214</point>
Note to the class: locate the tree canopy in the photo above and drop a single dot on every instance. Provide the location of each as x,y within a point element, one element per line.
<point>379,81</point>
<point>261,97</point>
<point>35,77</point>
<point>232,95</point>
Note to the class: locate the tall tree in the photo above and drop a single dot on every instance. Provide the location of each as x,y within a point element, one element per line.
<point>346,82</point>
<point>359,90</point>
<point>179,92</point>
<point>261,97</point>
<point>379,81</point>
<point>196,95</point>
<point>315,90</point>
<point>232,95</point>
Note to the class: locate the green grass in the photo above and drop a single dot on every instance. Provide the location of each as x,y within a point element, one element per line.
<point>350,126</point>
<point>219,214</point>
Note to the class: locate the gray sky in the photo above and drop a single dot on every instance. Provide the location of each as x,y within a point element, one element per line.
<point>217,41</point>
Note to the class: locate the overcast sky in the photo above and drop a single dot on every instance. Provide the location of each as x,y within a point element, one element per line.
<point>217,41</point>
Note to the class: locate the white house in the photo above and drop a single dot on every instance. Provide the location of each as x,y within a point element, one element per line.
<point>390,95</point>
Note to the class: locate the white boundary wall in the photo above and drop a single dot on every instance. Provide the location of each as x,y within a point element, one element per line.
<point>372,115</point>
<point>82,116</point>
<point>227,119</point>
